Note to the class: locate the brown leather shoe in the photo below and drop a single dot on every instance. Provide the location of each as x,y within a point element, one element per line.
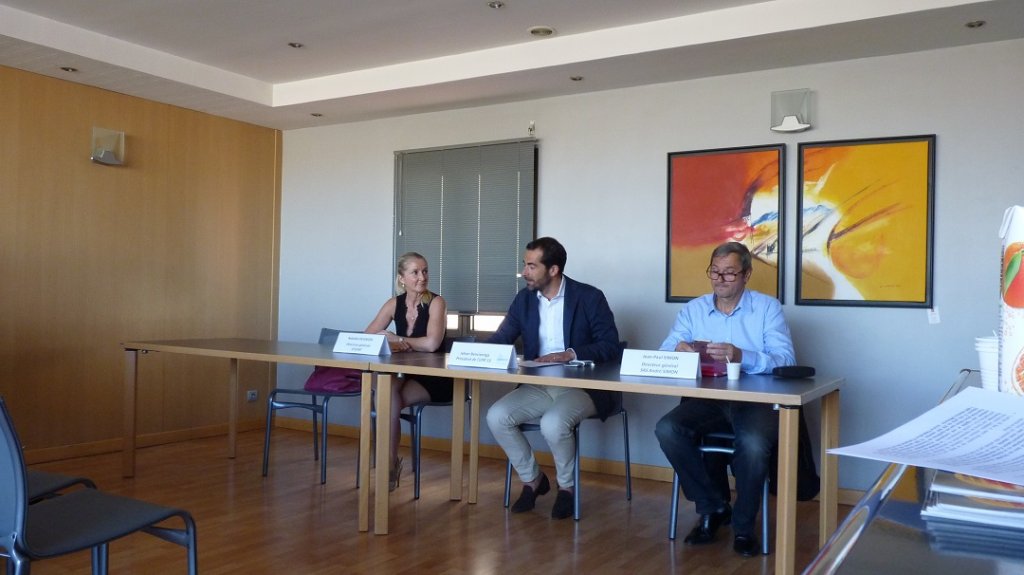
<point>528,498</point>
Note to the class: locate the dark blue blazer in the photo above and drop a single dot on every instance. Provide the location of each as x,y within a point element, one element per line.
<point>588,325</point>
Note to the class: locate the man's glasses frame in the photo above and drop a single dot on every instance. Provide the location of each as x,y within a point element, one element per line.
<point>728,276</point>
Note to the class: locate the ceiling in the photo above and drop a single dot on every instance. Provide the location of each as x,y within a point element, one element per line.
<point>367,59</point>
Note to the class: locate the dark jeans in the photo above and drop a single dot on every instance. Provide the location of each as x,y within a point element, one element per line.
<point>756,427</point>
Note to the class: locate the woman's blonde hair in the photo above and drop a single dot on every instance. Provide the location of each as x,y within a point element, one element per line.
<point>403,261</point>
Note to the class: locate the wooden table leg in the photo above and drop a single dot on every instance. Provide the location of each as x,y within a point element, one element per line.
<point>785,520</point>
<point>233,408</point>
<point>365,436</point>
<point>458,434</point>
<point>474,442</point>
<point>131,362</point>
<point>829,496</point>
<point>380,494</point>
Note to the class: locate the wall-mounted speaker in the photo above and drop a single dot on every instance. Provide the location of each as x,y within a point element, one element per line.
<point>107,147</point>
<point>791,110</point>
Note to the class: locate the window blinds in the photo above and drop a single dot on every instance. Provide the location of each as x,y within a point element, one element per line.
<point>470,210</point>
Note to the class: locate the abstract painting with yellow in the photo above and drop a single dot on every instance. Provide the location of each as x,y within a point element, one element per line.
<point>865,221</point>
<point>717,196</point>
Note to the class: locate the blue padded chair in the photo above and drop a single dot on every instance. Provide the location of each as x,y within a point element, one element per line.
<point>318,410</point>
<point>42,485</point>
<point>533,426</point>
<point>722,444</point>
<point>414,416</point>
<point>75,521</point>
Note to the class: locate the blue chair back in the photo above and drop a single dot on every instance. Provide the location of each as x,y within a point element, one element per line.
<point>328,336</point>
<point>13,499</point>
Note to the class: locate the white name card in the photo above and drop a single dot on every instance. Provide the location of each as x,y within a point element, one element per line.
<point>675,364</point>
<point>362,343</point>
<point>490,355</point>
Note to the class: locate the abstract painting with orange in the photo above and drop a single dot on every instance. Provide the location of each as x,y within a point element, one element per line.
<point>865,231</point>
<point>716,196</point>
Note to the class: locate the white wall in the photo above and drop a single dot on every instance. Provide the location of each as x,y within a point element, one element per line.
<point>602,192</point>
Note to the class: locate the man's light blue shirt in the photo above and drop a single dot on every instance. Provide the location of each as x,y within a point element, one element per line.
<point>756,326</point>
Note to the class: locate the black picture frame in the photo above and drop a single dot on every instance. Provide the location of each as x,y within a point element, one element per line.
<point>720,195</point>
<point>866,222</point>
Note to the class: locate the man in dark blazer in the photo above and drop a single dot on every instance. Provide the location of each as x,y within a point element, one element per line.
<point>559,320</point>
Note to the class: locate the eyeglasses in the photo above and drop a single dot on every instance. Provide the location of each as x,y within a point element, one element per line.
<point>728,276</point>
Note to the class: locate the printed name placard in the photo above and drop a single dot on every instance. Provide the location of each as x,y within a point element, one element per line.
<point>490,355</point>
<point>675,364</point>
<point>362,343</point>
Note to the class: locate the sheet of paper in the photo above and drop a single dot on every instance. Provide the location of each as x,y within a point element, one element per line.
<point>532,363</point>
<point>977,432</point>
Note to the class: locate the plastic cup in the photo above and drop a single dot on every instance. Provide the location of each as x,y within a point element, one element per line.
<point>732,371</point>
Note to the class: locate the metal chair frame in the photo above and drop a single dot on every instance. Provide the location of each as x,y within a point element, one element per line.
<point>728,450</point>
<point>414,417</point>
<point>533,426</point>
<point>318,411</point>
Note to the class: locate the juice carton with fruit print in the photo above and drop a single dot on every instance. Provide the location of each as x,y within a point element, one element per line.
<point>1011,303</point>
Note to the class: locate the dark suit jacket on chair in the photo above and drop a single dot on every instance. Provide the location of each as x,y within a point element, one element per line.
<point>588,326</point>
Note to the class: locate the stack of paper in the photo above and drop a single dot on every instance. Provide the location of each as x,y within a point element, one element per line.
<point>967,514</point>
<point>976,440</point>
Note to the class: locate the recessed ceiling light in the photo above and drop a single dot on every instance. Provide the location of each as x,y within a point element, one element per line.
<point>576,78</point>
<point>975,24</point>
<point>69,69</point>
<point>542,31</point>
<point>496,4</point>
<point>296,45</point>
<point>316,115</point>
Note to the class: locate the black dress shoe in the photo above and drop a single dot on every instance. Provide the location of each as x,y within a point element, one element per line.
<point>528,497</point>
<point>704,532</point>
<point>563,505</point>
<point>745,545</point>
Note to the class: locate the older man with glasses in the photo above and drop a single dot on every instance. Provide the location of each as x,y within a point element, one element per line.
<point>741,326</point>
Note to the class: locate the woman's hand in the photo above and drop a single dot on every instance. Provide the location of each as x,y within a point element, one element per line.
<point>396,342</point>
<point>399,345</point>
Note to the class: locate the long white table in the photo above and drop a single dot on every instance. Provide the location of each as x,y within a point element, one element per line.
<point>789,395</point>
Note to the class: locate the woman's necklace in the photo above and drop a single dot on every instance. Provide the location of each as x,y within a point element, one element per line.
<point>412,313</point>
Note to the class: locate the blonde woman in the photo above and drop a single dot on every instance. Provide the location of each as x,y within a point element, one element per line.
<point>419,318</point>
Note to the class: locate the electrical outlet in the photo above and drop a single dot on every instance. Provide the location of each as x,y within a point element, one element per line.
<point>252,395</point>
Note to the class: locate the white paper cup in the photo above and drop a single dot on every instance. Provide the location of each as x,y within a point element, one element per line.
<point>989,360</point>
<point>732,371</point>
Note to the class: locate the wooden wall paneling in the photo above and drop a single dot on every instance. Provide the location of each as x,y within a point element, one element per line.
<point>180,242</point>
